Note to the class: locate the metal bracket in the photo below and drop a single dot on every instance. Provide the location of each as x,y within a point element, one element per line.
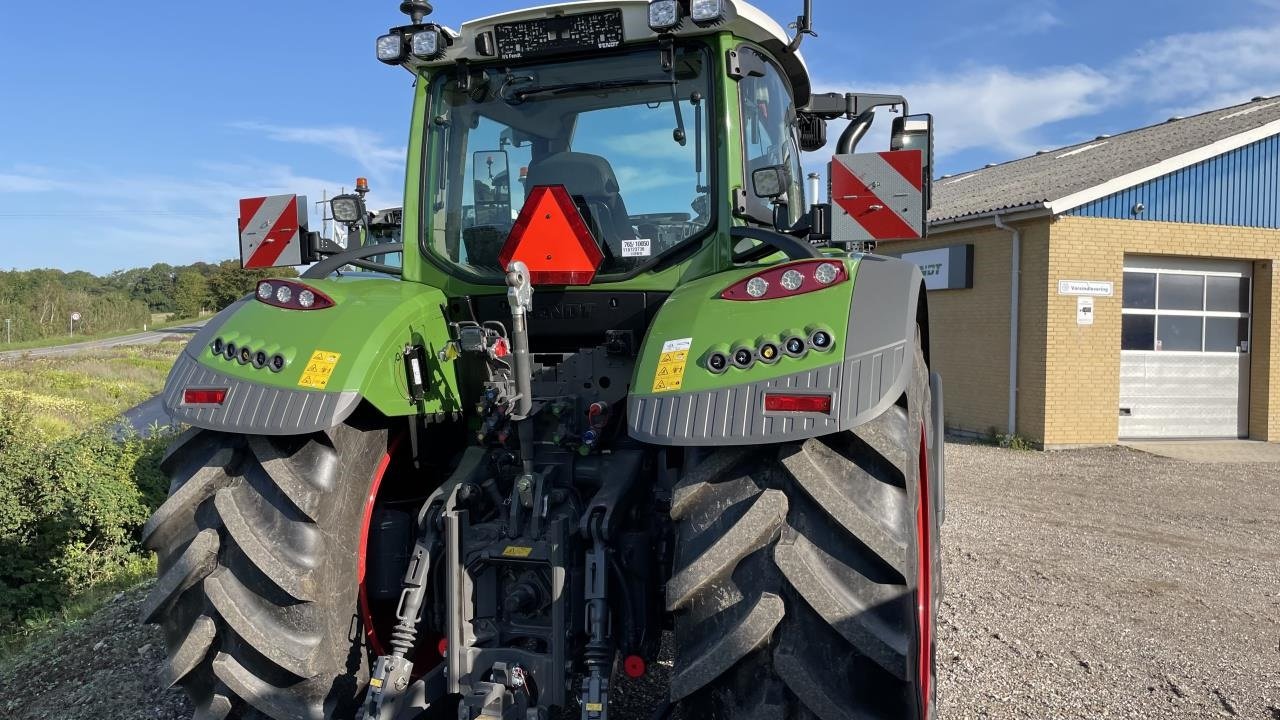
<point>743,62</point>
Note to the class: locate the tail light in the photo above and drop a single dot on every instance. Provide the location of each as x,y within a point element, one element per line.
<point>789,280</point>
<point>292,295</point>
<point>204,396</point>
<point>775,402</point>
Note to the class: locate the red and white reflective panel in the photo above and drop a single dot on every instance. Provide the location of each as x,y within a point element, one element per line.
<point>272,230</point>
<point>877,196</point>
<point>552,240</point>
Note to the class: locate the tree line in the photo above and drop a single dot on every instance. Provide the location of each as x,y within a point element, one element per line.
<point>40,303</point>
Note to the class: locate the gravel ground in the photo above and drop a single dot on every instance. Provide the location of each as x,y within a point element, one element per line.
<point>1085,584</point>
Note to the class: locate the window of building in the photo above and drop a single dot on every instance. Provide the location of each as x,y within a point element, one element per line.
<point>1185,311</point>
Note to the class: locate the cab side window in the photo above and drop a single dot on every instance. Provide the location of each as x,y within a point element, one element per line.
<point>769,137</point>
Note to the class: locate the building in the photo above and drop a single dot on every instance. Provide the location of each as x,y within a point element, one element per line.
<point>1119,288</point>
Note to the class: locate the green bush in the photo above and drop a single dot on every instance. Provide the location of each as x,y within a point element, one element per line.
<point>70,513</point>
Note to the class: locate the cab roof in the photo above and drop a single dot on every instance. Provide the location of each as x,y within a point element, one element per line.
<point>742,20</point>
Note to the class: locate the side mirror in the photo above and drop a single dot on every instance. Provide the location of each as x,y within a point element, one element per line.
<point>347,209</point>
<point>491,182</point>
<point>915,132</point>
<point>770,182</point>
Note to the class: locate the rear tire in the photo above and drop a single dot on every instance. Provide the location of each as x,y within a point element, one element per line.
<point>799,571</point>
<point>258,588</point>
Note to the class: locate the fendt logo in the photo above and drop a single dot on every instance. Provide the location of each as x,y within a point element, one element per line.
<point>565,311</point>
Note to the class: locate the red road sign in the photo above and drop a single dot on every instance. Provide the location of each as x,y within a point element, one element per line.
<point>878,196</point>
<point>552,240</point>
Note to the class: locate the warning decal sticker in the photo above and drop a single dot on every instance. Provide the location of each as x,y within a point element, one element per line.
<point>318,370</point>
<point>670,374</point>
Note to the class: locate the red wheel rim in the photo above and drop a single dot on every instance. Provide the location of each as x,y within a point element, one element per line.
<point>366,614</point>
<point>924,581</point>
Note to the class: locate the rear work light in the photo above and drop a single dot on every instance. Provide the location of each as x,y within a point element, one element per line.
<point>292,295</point>
<point>204,396</point>
<point>774,402</point>
<point>788,280</point>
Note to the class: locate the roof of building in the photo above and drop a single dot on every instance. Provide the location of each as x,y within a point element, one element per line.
<point>1062,179</point>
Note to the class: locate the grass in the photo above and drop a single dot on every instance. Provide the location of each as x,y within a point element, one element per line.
<point>68,394</point>
<point>67,340</point>
<point>65,396</point>
<point>14,644</point>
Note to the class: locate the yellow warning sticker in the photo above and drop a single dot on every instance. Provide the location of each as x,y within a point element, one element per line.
<point>515,551</point>
<point>595,707</point>
<point>319,369</point>
<point>669,376</point>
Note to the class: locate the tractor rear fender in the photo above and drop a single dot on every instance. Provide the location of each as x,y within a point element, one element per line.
<point>333,360</point>
<point>872,318</point>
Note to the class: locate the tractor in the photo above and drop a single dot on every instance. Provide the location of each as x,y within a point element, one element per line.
<point>627,388</point>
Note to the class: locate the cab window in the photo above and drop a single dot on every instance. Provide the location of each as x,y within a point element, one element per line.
<point>769,138</point>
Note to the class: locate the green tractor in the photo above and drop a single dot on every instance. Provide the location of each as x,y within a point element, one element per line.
<point>626,382</point>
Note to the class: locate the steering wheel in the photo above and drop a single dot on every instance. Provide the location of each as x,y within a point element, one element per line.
<point>794,248</point>
<point>356,256</point>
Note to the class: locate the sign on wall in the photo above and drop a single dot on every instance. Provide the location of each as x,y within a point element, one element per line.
<point>944,268</point>
<point>1094,288</point>
<point>1084,311</point>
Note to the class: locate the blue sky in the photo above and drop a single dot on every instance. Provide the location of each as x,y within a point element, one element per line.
<point>129,130</point>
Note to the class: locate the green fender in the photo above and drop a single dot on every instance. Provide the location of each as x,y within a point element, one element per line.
<point>335,359</point>
<point>678,397</point>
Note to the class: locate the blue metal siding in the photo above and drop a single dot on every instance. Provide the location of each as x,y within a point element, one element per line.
<point>1241,187</point>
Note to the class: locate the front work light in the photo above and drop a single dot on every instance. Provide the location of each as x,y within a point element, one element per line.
<point>346,208</point>
<point>707,11</point>
<point>391,49</point>
<point>664,15</point>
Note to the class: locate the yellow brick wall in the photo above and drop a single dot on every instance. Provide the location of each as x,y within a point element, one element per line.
<point>1068,374</point>
<point>970,330</point>
<point>1082,363</point>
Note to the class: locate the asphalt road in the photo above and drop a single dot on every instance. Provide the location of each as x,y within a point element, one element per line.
<point>145,338</point>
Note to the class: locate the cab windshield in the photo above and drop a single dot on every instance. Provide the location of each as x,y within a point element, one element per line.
<point>626,136</point>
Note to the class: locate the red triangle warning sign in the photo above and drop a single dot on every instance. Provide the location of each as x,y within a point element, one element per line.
<point>551,238</point>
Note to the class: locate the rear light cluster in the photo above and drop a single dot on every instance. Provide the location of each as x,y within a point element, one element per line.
<point>292,296</point>
<point>793,344</point>
<point>245,355</point>
<point>788,280</point>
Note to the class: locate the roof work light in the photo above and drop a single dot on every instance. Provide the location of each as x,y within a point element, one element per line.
<point>707,12</point>
<point>664,15</point>
<point>391,49</point>
<point>427,44</point>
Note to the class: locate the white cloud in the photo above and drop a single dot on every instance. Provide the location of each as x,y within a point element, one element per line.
<point>1012,112</point>
<point>1027,18</point>
<point>652,145</point>
<point>1004,110</point>
<point>358,144</point>
<point>114,221</point>
<point>1193,72</point>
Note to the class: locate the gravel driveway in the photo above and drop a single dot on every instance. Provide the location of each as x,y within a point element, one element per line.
<point>1084,584</point>
<point>1109,583</point>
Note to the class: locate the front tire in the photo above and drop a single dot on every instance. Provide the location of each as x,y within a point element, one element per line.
<point>806,573</point>
<point>258,583</point>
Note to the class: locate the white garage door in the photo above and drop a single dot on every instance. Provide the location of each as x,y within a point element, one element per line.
<point>1184,348</point>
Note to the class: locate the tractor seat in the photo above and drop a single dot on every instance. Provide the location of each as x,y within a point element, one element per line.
<point>590,177</point>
